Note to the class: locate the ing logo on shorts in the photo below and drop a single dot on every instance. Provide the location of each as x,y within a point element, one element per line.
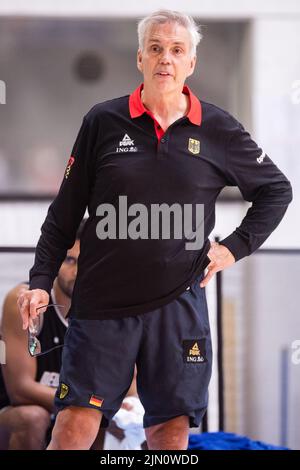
<point>194,351</point>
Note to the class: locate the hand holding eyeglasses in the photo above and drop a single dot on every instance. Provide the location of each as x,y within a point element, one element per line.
<point>32,303</point>
<point>34,344</point>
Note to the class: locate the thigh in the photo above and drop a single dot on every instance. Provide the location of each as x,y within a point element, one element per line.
<point>22,417</point>
<point>174,363</point>
<point>98,364</point>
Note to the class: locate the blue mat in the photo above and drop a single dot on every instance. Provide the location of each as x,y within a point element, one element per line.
<point>227,441</point>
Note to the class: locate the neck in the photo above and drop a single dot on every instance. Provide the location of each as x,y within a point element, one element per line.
<point>62,299</point>
<point>165,105</point>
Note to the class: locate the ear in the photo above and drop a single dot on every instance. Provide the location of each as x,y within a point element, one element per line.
<point>139,60</point>
<point>192,66</point>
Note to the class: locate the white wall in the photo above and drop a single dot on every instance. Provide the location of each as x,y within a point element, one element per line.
<point>37,62</point>
<point>276,108</point>
<point>207,8</point>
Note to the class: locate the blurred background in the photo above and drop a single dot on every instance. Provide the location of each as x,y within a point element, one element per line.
<point>57,59</point>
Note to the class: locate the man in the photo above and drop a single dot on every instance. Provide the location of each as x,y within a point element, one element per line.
<point>137,297</point>
<point>29,385</point>
<point>29,382</point>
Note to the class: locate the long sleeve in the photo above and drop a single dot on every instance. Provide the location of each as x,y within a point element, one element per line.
<point>260,182</point>
<point>58,231</point>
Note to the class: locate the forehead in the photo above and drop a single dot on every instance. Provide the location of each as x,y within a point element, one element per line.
<point>167,33</point>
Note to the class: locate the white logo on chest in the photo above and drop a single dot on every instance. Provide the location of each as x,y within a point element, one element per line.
<point>126,145</point>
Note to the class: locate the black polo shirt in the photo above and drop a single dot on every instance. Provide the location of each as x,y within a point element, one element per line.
<point>121,151</point>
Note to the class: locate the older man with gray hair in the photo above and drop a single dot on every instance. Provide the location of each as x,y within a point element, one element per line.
<point>139,296</point>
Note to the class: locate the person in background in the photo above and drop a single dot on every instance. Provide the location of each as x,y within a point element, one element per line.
<point>28,384</point>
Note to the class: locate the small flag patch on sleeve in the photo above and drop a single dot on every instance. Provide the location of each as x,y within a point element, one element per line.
<point>96,401</point>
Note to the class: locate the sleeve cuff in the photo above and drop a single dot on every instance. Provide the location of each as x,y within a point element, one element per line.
<point>236,245</point>
<point>41,282</point>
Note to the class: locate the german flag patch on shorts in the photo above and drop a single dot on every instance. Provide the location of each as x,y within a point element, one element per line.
<point>96,401</point>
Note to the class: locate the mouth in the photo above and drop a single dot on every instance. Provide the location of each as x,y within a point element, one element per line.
<point>163,74</point>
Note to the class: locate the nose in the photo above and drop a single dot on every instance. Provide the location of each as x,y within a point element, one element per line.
<point>165,57</point>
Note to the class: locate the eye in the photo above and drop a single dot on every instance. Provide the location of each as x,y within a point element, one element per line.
<point>155,48</point>
<point>177,50</point>
<point>70,260</point>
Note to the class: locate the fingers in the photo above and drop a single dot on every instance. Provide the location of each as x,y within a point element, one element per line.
<point>212,267</point>
<point>211,271</point>
<point>24,307</point>
<point>29,301</point>
<point>220,258</point>
<point>35,302</point>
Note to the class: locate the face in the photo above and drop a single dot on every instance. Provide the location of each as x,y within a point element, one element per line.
<point>68,271</point>
<point>166,60</point>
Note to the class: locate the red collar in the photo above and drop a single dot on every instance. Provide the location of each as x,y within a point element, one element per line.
<point>136,107</point>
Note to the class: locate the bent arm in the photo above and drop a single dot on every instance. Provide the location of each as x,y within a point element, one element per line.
<point>260,182</point>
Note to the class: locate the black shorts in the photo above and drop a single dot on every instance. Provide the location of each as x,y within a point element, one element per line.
<point>171,347</point>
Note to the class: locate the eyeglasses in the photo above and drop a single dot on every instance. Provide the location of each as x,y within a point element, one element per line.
<point>34,344</point>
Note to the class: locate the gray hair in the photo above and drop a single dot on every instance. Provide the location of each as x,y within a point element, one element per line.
<point>170,16</point>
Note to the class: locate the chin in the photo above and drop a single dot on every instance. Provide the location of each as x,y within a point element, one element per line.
<point>163,86</point>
